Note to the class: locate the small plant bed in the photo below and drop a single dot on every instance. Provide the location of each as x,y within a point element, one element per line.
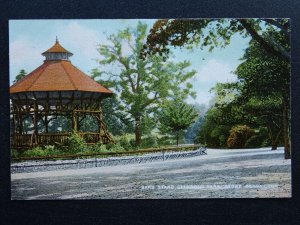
<point>105,154</point>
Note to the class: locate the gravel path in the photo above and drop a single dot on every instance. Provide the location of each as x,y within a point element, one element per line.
<point>251,173</point>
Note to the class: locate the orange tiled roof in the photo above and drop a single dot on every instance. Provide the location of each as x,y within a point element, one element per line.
<point>56,48</point>
<point>59,75</point>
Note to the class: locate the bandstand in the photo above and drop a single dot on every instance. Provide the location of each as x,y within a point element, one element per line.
<point>56,89</point>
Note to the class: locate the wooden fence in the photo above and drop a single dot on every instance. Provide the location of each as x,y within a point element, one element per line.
<point>29,140</point>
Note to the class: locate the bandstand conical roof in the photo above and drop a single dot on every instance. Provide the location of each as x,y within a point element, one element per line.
<point>57,73</point>
<point>56,48</point>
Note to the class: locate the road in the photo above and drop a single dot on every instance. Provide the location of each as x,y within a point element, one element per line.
<point>250,173</point>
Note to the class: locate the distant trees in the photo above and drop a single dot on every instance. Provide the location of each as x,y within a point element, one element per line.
<point>20,75</point>
<point>193,130</point>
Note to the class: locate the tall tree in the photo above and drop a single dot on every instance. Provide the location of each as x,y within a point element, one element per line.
<point>115,118</point>
<point>176,116</point>
<point>142,84</point>
<point>266,80</point>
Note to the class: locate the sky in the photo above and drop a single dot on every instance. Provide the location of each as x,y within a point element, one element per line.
<point>29,38</point>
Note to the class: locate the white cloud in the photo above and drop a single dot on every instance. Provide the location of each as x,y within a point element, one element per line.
<point>83,38</point>
<point>23,51</point>
<point>23,54</point>
<point>207,76</point>
<point>215,71</point>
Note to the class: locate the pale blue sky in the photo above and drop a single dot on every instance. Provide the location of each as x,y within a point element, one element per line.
<point>29,38</point>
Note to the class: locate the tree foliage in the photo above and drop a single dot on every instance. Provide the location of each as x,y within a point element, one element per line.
<point>141,84</point>
<point>265,91</point>
<point>176,116</point>
<point>212,33</point>
<point>239,135</point>
<point>20,75</point>
<point>259,99</point>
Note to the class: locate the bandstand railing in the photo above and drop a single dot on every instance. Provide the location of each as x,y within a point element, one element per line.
<point>29,140</point>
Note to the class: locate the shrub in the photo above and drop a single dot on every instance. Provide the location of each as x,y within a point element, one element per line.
<point>132,143</point>
<point>125,142</point>
<point>51,150</point>
<point>34,152</point>
<point>15,153</point>
<point>166,140</point>
<point>76,143</point>
<point>239,136</point>
<point>98,147</point>
<point>39,151</point>
<point>114,147</point>
<point>253,142</point>
<point>149,142</point>
<point>266,142</point>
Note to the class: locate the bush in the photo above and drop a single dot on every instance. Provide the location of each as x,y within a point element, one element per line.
<point>98,147</point>
<point>39,151</point>
<point>114,147</point>
<point>260,139</point>
<point>266,142</point>
<point>76,143</point>
<point>51,149</point>
<point>149,142</point>
<point>239,136</point>
<point>253,142</point>
<point>34,152</point>
<point>132,143</point>
<point>166,140</point>
<point>125,142</point>
<point>15,153</point>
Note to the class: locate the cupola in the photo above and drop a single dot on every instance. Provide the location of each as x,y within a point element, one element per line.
<point>57,52</point>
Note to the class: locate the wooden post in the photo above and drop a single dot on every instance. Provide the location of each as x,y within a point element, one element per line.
<point>35,122</point>
<point>20,121</point>
<point>35,118</point>
<point>74,119</point>
<point>14,124</point>
<point>99,125</point>
<point>77,122</point>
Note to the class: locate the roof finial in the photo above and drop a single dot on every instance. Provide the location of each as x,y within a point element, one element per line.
<point>56,39</point>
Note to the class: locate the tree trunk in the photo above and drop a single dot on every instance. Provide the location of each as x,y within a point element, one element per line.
<point>177,138</point>
<point>287,150</point>
<point>275,140</point>
<point>74,122</point>
<point>271,136</point>
<point>274,145</point>
<point>138,132</point>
